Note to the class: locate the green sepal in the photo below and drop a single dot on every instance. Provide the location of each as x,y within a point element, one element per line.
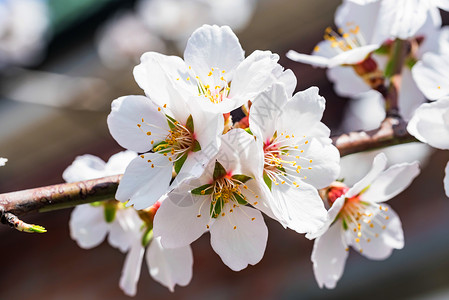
<point>388,69</point>
<point>180,162</point>
<point>171,122</point>
<point>215,211</point>
<point>241,178</point>
<point>241,200</point>
<point>164,146</point>
<point>345,225</point>
<point>196,146</point>
<point>147,236</point>
<point>110,210</point>
<point>383,50</point>
<point>267,180</point>
<point>96,204</point>
<point>219,171</point>
<point>248,130</point>
<point>206,188</point>
<point>410,62</point>
<point>189,124</point>
<point>282,170</point>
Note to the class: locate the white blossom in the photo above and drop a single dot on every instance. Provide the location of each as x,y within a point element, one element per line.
<point>89,226</point>
<point>359,218</point>
<point>3,161</point>
<point>299,157</point>
<point>216,202</point>
<point>430,125</point>
<point>214,69</point>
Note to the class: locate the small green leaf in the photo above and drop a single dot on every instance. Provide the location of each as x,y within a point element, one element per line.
<point>241,178</point>
<point>215,210</point>
<point>35,229</point>
<point>189,124</point>
<point>241,200</point>
<point>180,162</point>
<point>219,171</point>
<point>267,180</point>
<point>203,190</point>
<point>196,146</point>
<point>147,236</point>
<point>110,210</point>
<point>171,122</point>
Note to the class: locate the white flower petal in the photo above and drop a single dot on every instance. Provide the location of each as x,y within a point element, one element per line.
<point>301,208</point>
<point>177,221</point>
<point>410,97</point>
<point>289,80</point>
<point>88,226</point>
<point>379,164</point>
<point>331,215</point>
<point>446,179</point>
<point>131,269</point>
<point>240,154</point>
<point>240,237</point>
<point>362,14</point>
<point>302,113</point>
<point>381,247</point>
<point>320,163</point>
<point>401,18</point>
<point>213,47</point>
<point>346,82</point>
<point>253,76</point>
<point>125,229</point>
<point>329,256</point>
<point>314,60</point>
<point>117,163</point>
<point>158,75</point>
<point>3,161</point>
<point>391,182</point>
<point>265,110</point>
<point>130,111</point>
<point>430,124</point>
<point>431,74</point>
<point>146,179</point>
<point>169,266</point>
<point>352,57</point>
<point>85,167</point>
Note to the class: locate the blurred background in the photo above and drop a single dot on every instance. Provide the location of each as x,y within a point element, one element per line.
<point>62,62</point>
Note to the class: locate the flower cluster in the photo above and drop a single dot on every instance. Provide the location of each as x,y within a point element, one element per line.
<point>210,174</point>
<point>192,169</point>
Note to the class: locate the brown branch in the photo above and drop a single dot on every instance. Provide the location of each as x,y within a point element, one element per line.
<point>393,131</point>
<point>59,196</point>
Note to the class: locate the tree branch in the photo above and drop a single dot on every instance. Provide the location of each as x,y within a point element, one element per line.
<point>58,196</point>
<point>393,131</point>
